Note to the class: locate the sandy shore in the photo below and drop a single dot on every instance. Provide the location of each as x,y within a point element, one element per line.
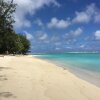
<point>26,78</point>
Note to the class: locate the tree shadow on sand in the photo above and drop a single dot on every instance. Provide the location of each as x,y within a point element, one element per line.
<point>6,95</point>
<point>3,68</point>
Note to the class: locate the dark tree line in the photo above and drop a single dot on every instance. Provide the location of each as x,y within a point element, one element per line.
<point>10,42</point>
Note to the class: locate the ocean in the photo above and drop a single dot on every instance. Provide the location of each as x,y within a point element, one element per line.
<point>84,65</point>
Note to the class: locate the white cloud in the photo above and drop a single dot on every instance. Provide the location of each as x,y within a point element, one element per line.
<point>91,13</point>
<point>85,16</point>
<point>43,37</point>
<point>57,43</point>
<point>76,32</point>
<point>68,47</point>
<point>55,38</point>
<point>21,22</point>
<point>72,36</point>
<point>28,35</point>
<point>25,7</point>
<point>82,18</point>
<point>82,46</point>
<point>57,48</point>
<point>39,22</point>
<point>97,17</point>
<point>56,23</point>
<point>97,35</point>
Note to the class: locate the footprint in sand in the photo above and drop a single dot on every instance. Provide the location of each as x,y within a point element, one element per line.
<point>3,78</point>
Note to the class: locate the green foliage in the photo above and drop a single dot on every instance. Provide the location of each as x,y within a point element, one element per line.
<point>22,45</point>
<point>9,40</point>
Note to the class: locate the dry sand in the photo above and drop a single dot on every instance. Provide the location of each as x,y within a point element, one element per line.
<point>27,78</point>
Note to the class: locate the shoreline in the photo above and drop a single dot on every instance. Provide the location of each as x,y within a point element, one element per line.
<point>30,78</point>
<point>83,74</point>
<point>78,72</point>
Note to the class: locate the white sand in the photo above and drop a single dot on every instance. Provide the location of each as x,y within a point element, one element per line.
<point>26,78</point>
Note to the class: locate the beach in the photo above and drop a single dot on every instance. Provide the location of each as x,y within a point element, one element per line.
<point>30,78</point>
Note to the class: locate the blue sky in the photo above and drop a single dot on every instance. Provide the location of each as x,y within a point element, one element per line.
<point>59,25</point>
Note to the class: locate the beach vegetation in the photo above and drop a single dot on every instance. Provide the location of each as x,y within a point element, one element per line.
<point>10,41</point>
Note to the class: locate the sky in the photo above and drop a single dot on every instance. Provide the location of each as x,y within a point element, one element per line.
<point>59,25</point>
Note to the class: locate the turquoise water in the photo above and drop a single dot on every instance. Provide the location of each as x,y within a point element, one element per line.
<point>85,65</point>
